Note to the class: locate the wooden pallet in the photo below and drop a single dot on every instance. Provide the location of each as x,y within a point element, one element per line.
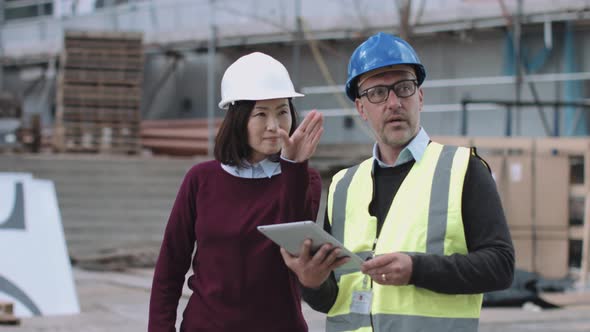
<point>99,92</point>
<point>100,115</point>
<point>104,76</point>
<point>101,60</point>
<point>101,143</point>
<point>103,40</point>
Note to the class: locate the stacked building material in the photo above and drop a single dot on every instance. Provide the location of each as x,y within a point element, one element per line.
<point>545,190</point>
<point>10,120</point>
<point>178,137</point>
<point>99,93</point>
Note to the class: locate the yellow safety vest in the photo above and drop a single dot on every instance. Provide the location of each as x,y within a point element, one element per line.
<point>424,217</point>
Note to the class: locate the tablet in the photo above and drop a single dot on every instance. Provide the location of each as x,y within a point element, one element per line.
<point>291,236</point>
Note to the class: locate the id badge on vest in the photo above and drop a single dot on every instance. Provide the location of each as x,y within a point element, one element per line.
<point>361,300</point>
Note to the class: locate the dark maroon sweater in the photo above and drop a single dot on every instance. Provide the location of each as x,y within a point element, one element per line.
<point>239,280</point>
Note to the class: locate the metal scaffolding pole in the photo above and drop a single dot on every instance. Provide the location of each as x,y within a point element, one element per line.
<point>297,40</point>
<point>211,81</point>
<point>518,61</point>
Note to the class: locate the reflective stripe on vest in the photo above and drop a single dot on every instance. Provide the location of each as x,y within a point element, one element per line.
<point>435,226</point>
<point>402,323</point>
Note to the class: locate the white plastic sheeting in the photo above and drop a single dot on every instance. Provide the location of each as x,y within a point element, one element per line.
<point>35,270</point>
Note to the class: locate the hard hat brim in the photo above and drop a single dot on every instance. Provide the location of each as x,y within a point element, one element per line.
<point>224,104</point>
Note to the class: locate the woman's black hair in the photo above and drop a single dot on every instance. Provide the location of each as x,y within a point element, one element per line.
<point>231,142</point>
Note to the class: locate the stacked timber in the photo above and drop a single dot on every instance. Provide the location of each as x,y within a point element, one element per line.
<point>177,137</point>
<point>99,93</point>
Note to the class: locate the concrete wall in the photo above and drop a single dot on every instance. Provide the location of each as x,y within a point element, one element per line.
<point>105,202</point>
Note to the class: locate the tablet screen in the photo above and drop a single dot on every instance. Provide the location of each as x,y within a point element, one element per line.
<point>291,236</point>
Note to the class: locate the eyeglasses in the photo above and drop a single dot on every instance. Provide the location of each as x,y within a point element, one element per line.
<point>380,93</point>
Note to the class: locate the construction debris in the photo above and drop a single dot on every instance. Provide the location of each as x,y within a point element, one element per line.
<point>118,259</point>
<point>178,137</point>
<point>7,314</point>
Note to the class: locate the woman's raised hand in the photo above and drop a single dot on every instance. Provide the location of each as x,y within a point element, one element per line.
<point>302,144</point>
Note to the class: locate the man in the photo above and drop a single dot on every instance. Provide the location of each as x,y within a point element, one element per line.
<point>427,217</point>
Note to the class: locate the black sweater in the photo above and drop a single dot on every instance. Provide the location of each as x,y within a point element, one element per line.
<point>488,266</point>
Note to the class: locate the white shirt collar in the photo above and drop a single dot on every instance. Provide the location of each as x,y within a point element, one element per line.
<point>263,169</point>
<point>414,150</point>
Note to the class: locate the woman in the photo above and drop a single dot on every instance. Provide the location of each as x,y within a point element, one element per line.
<point>260,176</point>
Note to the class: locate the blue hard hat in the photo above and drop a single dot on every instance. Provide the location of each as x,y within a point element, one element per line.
<point>381,50</point>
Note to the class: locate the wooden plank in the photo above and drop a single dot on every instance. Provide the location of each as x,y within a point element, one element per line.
<point>122,130</point>
<point>95,126</point>
<point>99,95</point>
<point>182,137</point>
<point>111,150</point>
<point>107,35</point>
<point>94,144</point>
<point>102,41</point>
<point>76,111</point>
<point>91,91</point>
<point>97,90</point>
<point>176,147</point>
<point>104,52</point>
<point>104,65</point>
<point>156,142</point>
<point>105,42</point>
<point>176,133</point>
<point>121,103</point>
<point>102,76</point>
<point>100,134</point>
<point>94,110</point>
<point>80,144</point>
<point>94,136</point>
<point>100,60</point>
<point>178,123</point>
<point>101,119</point>
<point>116,54</point>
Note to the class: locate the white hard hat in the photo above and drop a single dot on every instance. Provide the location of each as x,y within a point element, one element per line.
<point>255,76</point>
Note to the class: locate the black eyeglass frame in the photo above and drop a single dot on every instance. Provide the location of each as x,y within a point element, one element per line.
<point>390,88</point>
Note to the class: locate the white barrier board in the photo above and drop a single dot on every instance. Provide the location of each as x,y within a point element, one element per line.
<point>35,270</point>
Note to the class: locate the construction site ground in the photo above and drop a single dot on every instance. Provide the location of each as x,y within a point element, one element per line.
<point>118,301</point>
<point>113,286</point>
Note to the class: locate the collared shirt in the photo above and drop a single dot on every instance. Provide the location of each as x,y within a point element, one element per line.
<point>262,169</point>
<point>414,150</point>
